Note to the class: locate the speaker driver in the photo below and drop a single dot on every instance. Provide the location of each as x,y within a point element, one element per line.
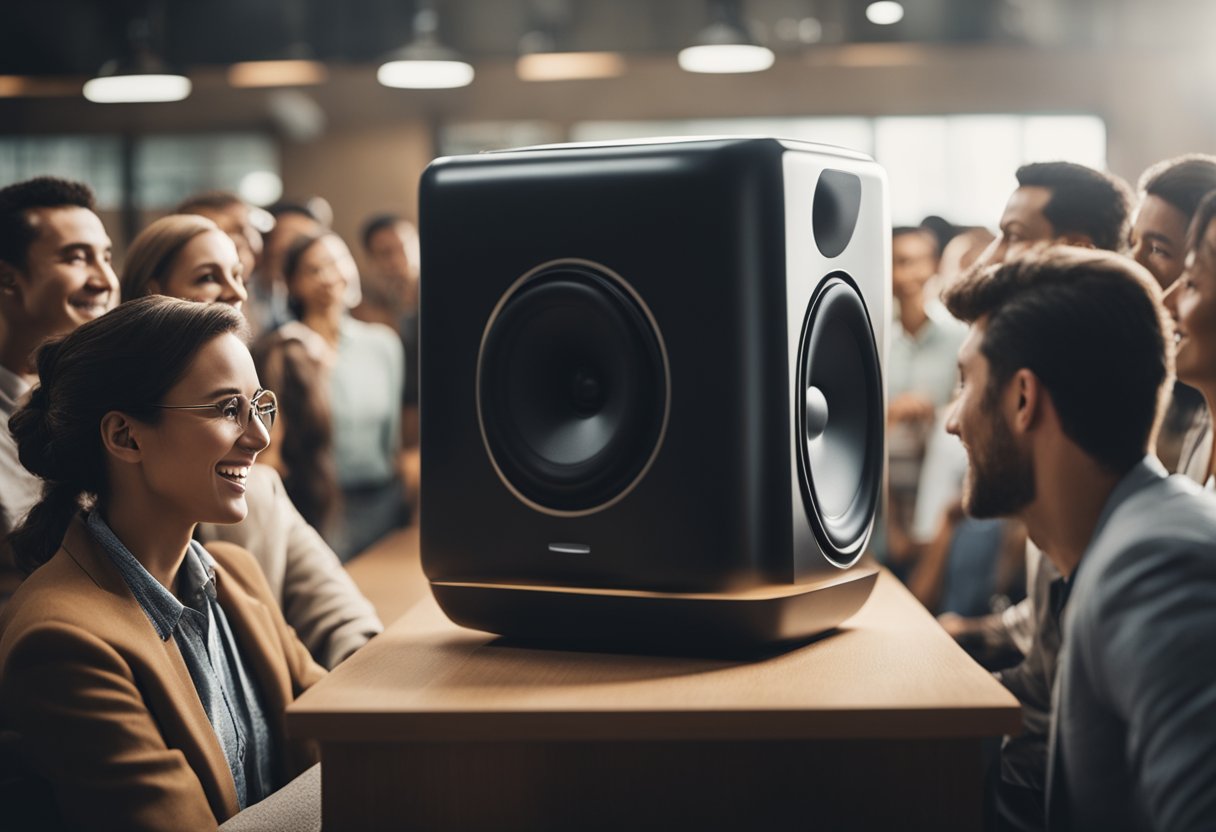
<point>572,388</point>
<point>839,419</point>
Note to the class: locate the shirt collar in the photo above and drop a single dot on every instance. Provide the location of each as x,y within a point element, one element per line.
<point>196,578</point>
<point>936,318</point>
<point>12,388</point>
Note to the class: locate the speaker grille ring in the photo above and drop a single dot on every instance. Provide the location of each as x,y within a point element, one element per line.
<point>572,388</point>
<point>839,419</point>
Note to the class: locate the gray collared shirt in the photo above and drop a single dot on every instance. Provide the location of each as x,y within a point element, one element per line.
<point>228,692</point>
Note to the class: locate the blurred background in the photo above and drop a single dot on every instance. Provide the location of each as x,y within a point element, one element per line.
<point>284,102</point>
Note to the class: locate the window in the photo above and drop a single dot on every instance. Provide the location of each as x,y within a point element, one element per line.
<point>960,167</point>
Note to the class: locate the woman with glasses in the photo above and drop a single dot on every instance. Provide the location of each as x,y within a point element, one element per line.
<point>145,675</point>
<point>189,257</point>
<point>365,390</point>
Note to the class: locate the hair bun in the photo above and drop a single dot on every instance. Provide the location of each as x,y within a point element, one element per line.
<point>32,428</point>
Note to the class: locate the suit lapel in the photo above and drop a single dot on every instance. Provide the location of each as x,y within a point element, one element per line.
<point>174,703</point>
<point>253,625</point>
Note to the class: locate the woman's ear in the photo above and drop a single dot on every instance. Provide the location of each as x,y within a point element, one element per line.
<point>118,436</point>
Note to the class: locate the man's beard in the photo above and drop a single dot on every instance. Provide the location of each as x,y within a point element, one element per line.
<point>1000,478</point>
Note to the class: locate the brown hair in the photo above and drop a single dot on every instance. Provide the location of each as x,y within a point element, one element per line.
<point>126,360</point>
<point>299,379</point>
<point>152,253</point>
<point>1090,325</point>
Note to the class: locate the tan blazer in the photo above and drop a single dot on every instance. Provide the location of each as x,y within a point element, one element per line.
<point>317,596</point>
<point>107,712</point>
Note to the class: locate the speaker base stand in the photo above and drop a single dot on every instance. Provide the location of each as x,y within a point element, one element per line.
<point>759,618</point>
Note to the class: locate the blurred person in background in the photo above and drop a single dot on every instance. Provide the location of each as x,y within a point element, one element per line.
<point>921,376</point>
<point>1170,192</point>
<point>291,220</point>
<point>297,361</point>
<point>189,257</point>
<point>390,296</point>
<point>366,381</point>
<point>55,274</point>
<point>1191,301</point>
<point>244,225</point>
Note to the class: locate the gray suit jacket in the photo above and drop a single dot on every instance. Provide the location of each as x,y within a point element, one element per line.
<point>1133,740</point>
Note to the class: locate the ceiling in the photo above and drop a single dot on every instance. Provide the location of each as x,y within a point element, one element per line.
<point>74,37</point>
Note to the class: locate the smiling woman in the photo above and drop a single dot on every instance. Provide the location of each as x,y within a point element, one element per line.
<point>145,423</point>
<point>185,256</point>
<point>1191,301</point>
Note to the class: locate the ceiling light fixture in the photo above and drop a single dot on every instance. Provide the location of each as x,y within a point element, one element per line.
<point>569,66</point>
<point>884,12</point>
<point>138,77</point>
<point>725,45</point>
<point>424,63</point>
<point>288,73</point>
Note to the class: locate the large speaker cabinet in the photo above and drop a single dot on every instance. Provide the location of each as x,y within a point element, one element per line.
<point>651,391</point>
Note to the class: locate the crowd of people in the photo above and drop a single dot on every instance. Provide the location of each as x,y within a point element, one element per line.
<point>145,455</point>
<point>1050,540</point>
<point>183,473</point>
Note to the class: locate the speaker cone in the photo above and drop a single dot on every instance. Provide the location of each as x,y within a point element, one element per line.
<point>839,419</point>
<point>572,388</point>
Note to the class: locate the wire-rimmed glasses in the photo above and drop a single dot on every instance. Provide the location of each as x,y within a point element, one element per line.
<point>238,409</point>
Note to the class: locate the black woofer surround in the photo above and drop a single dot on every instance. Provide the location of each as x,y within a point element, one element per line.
<point>839,419</point>
<point>571,388</point>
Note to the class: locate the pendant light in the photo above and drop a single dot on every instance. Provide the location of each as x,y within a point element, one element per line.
<point>725,45</point>
<point>425,63</point>
<point>140,75</point>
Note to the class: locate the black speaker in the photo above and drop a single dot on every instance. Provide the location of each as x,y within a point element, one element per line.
<point>651,390</point>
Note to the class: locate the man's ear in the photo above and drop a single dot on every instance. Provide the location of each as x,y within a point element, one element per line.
<point>8,279</point>
<point>118,436</point>
<point>1076,238</point>
<point>1025,401</point>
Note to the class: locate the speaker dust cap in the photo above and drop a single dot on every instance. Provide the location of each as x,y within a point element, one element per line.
<point>839,419</point>
<point>572,388</point>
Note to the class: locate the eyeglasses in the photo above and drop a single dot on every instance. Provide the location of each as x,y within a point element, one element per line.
<point>237,409</point>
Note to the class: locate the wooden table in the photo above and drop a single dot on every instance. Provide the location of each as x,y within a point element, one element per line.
<point>878,726</point>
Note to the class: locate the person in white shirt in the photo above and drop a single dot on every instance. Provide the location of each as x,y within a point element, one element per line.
<point>55,274</point>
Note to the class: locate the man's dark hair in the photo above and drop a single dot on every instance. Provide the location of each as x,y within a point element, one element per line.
<point>1182,181</point>
<point>1091,327</point>
<point>920,231</point>
<point>1204,214</point>
<point>375,225</point>
<point>208,201</point>
<point>16,232</point>
<point>1083,201</point>
<point>280,208</point>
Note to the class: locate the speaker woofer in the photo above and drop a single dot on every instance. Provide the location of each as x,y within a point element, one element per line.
<point>571,388</point>
<point>839,418</point>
